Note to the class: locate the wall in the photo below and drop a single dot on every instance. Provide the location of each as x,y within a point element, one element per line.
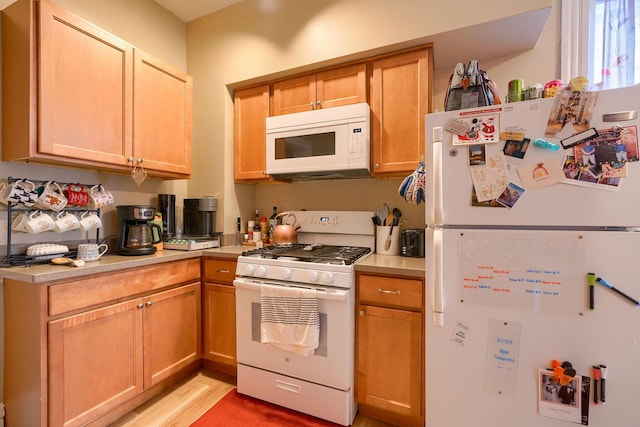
<point>243,43</point>
<point>150,27</point>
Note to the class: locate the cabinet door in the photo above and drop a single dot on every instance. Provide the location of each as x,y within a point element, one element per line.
<point>171,332</point>
<point>85,90</point>
<point>162,116</point>
<point>95,362</point>
<point>251,109</point>
<point>341,86</point>
<point>220,324</point>
<point>294,95</point>
<point>399,102</point>
<point>389,368</point>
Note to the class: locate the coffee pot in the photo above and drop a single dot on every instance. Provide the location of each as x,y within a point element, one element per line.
<point>141,236</point>
<point>135,230</point>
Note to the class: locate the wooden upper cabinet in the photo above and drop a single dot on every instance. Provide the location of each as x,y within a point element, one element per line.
<point>400,98</point>
<point>85,89</point>
<point>330,88</point>
<point>68,96</point>
<point>251,109</point>
<point>162,116</point>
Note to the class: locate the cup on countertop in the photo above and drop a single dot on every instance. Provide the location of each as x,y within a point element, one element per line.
<point>50,197</point>
<point>20,191</point>
<point>66,221</point>
<point>89,221</point>
<point>99,197</point>
<point>39,222</point>
<point>91,251</point>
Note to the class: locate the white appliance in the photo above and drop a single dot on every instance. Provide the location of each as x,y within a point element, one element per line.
<point>322,384</point>
<point>324,143</point>
<point>507,287</point>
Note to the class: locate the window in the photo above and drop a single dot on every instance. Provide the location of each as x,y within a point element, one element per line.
<point>601,40</point>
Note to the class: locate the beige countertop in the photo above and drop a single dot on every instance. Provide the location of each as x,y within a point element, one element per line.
<point>40,273</point>
<point>392,264</point>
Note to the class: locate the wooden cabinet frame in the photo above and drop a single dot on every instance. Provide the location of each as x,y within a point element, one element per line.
<point>141,327</point>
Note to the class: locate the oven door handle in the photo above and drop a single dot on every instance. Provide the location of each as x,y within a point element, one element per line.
<point>321,294</point>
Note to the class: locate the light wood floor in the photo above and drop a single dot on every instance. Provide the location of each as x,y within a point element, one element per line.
<point>190,399</point>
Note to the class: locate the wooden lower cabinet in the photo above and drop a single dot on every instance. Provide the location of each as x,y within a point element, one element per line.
<point>390,349</point>
<point>99,346</point>
<point>219,318</point>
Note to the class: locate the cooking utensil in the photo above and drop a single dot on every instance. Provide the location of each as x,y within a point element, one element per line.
<point>68,261</point>
<point>284,233</point>
<point>395,218</point>
<point>381,214</point>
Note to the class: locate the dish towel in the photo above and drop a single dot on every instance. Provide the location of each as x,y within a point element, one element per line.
<point>289,319</point>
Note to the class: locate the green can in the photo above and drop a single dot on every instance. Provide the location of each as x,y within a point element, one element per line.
<point>514,92</point>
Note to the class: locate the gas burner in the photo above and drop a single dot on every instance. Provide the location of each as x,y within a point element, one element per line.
<point>316,253</point>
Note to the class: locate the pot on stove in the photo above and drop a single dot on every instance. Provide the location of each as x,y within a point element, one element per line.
<point>285,233</point>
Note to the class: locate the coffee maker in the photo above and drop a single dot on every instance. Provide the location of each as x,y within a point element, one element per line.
<point>135,230</point>
<point>200,217</point>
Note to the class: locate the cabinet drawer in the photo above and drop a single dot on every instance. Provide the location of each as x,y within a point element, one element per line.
<point>219,270</point>
<point>91,290</point>
<point>391,291</point>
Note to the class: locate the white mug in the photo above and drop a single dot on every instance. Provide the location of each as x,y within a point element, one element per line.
<point>39,222</point>
<point>19,222</point>
<point>66,221</point>
<point>20,191</point>
<point>91,251</point>
<point>90,221</point>
<point>51,197</point>
<point>99,197</point>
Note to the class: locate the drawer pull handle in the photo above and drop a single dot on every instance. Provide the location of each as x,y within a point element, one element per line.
<point>287,386</point>
<point>383,291</point>
<point>218,270</point>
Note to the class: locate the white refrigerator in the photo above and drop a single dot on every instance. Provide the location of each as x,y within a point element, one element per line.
<point>513,230</point>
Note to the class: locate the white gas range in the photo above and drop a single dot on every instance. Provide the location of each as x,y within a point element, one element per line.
<point>330,243</point>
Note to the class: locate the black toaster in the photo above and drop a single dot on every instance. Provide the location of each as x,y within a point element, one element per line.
<point>412,243</point>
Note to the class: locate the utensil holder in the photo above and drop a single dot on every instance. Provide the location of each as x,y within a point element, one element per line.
<point>382,235</point>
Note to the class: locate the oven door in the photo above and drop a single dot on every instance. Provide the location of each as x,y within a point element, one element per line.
<point>332,362</point>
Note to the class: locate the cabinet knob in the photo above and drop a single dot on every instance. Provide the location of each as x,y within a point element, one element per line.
<point>318,103</point>
<point>361,313</point>
<point>377,166</point>
<point>139,160</point>
<point>311,105</point>
<point>140,305</point>
<point>149,303</point>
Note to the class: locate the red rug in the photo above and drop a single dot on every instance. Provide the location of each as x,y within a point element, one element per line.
<point>238,410</point>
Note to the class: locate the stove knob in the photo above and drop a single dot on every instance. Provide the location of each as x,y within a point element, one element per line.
<point>313,276</point>
<point>262,271</point>
<point>287,273</point>
<point>249,269</point>
<point>328,278</point>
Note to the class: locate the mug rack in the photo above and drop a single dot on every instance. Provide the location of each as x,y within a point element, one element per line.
<point>27,260</point>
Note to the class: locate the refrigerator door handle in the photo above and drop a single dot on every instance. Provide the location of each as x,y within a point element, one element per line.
<point>438,280</point>
<point>436,177</point>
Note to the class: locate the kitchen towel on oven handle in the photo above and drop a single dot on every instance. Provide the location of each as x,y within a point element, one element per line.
<point>289,319</point>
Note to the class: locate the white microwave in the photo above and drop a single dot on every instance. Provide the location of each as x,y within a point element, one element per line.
<point>325,143</point>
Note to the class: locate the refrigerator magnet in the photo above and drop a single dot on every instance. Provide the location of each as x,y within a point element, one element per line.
<point>541,174</point>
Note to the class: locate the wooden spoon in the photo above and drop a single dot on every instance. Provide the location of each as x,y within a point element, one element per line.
<point>68,261</point>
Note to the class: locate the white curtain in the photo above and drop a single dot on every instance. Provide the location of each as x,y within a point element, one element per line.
<point>619,40</point>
